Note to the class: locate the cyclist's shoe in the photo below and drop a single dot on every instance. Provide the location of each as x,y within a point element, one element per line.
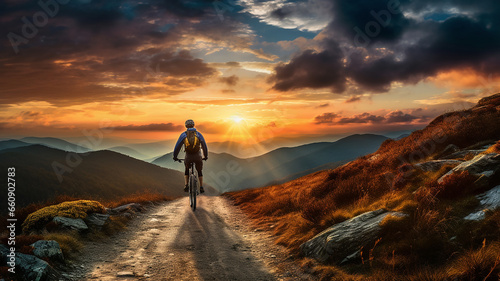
<point>186,188</point>
<point>202,190</point>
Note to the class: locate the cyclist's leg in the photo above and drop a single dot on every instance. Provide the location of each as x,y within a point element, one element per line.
<point>186,172</point>
<point>199,168</point>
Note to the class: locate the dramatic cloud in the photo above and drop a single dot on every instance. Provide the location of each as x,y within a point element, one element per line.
<point>149,127</point>
<point>393,117</point>
<point>387,41</point>
<point>94,51</point>
<point>312,70</point>
<point>311,15</point>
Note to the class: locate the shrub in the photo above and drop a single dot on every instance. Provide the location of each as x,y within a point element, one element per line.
<point>455,185</point>
<point>68,241</point>
<point>481,264</point>
<point>73,209</point>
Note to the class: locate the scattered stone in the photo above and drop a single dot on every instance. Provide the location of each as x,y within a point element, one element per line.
<point>48,249</point>
<point>131,207</point>
<point>125,274</point>
<point>343,239</point>
<point>489,200</point>
<point>75,224</point>
<point>486,164</point>
<point>436,165</point>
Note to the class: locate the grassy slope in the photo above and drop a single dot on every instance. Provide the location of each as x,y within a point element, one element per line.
<point>100,175</point>
<point>420,244</point>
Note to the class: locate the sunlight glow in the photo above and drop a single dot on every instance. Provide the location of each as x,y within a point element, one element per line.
<point>237,119</point>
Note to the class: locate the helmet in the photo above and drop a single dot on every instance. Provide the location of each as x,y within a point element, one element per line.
<point>189,123</point>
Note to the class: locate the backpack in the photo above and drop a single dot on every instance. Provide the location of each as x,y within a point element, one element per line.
<point>192,142</point>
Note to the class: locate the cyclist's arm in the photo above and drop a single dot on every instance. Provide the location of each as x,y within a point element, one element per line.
<point>203,144</point>
<point>179,144</point>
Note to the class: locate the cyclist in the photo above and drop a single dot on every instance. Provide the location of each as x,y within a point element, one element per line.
<point>192,140</point>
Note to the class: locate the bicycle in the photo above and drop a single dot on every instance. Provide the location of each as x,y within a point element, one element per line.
<point>193,183</point>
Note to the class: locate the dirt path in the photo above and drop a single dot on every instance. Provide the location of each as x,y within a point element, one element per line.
<point>170,242</point>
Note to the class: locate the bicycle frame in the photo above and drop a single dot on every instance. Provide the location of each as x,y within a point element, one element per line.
<point>193,185</point>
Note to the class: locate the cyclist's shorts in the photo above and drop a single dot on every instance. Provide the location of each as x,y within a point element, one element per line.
<point>197,159</point>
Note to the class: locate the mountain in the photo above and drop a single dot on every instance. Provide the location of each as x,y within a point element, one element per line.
<point>100,174</point>
<point>423,207</point>
<point>129,151</point>
<point>227,172</point>
<point>153,149</point>
<point>56,143</point>
<point>6,144</point>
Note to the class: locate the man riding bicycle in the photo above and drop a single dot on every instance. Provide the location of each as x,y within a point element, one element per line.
<point>192,140</point>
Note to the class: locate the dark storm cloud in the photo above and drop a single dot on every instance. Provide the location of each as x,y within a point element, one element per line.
<point>381,45</point>
<point>312,70</point>
<point>149,127</point>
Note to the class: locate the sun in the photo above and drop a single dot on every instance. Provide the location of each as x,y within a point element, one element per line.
<point>237,119</point>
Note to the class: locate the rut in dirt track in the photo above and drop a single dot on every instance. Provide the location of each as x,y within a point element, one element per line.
<point>171,242</point>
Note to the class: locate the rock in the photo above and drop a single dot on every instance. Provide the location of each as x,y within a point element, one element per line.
<point>485,164</point>
<point>48,249</point>
<point>436,165</point>
<point>131,207</point>
<point>463,153</point>
<point>489,200</point>
<point>340,241</point>
<point>75,224</point>
<point>449,150</point>
<point>96,219</point>
<point>30,267</point>
<point>125,274</point>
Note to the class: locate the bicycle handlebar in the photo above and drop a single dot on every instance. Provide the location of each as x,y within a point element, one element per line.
<point>180,160</point>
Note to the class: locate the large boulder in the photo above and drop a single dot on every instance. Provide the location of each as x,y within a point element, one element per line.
<point>345,239</point>
<point>481,165</point>
<point>489,200</point>
<point>463,153</point>
<point>436,165</point>
<point>30,267</point>
<point>69,223</point>
<point>48,249</point>
<point>96,220</point>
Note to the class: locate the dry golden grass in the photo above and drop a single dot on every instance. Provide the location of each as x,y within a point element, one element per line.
<point>70,242</point>
<point>140,197</point>
<point>480,264</point>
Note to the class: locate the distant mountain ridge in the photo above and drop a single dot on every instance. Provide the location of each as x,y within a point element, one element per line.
<point>226,172</point>
<point>56,143</point>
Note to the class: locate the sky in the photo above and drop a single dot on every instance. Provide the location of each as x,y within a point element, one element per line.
<point>243,70</point>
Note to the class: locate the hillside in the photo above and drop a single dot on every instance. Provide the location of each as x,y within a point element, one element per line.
<point>436,181</point>
<point>6,144</point>
<point>56,143</point>
<point>226,172</point>
<point>128,151</point>
<point>101,174</point>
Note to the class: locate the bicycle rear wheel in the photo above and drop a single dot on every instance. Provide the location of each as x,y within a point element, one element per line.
<point>192,191</point>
